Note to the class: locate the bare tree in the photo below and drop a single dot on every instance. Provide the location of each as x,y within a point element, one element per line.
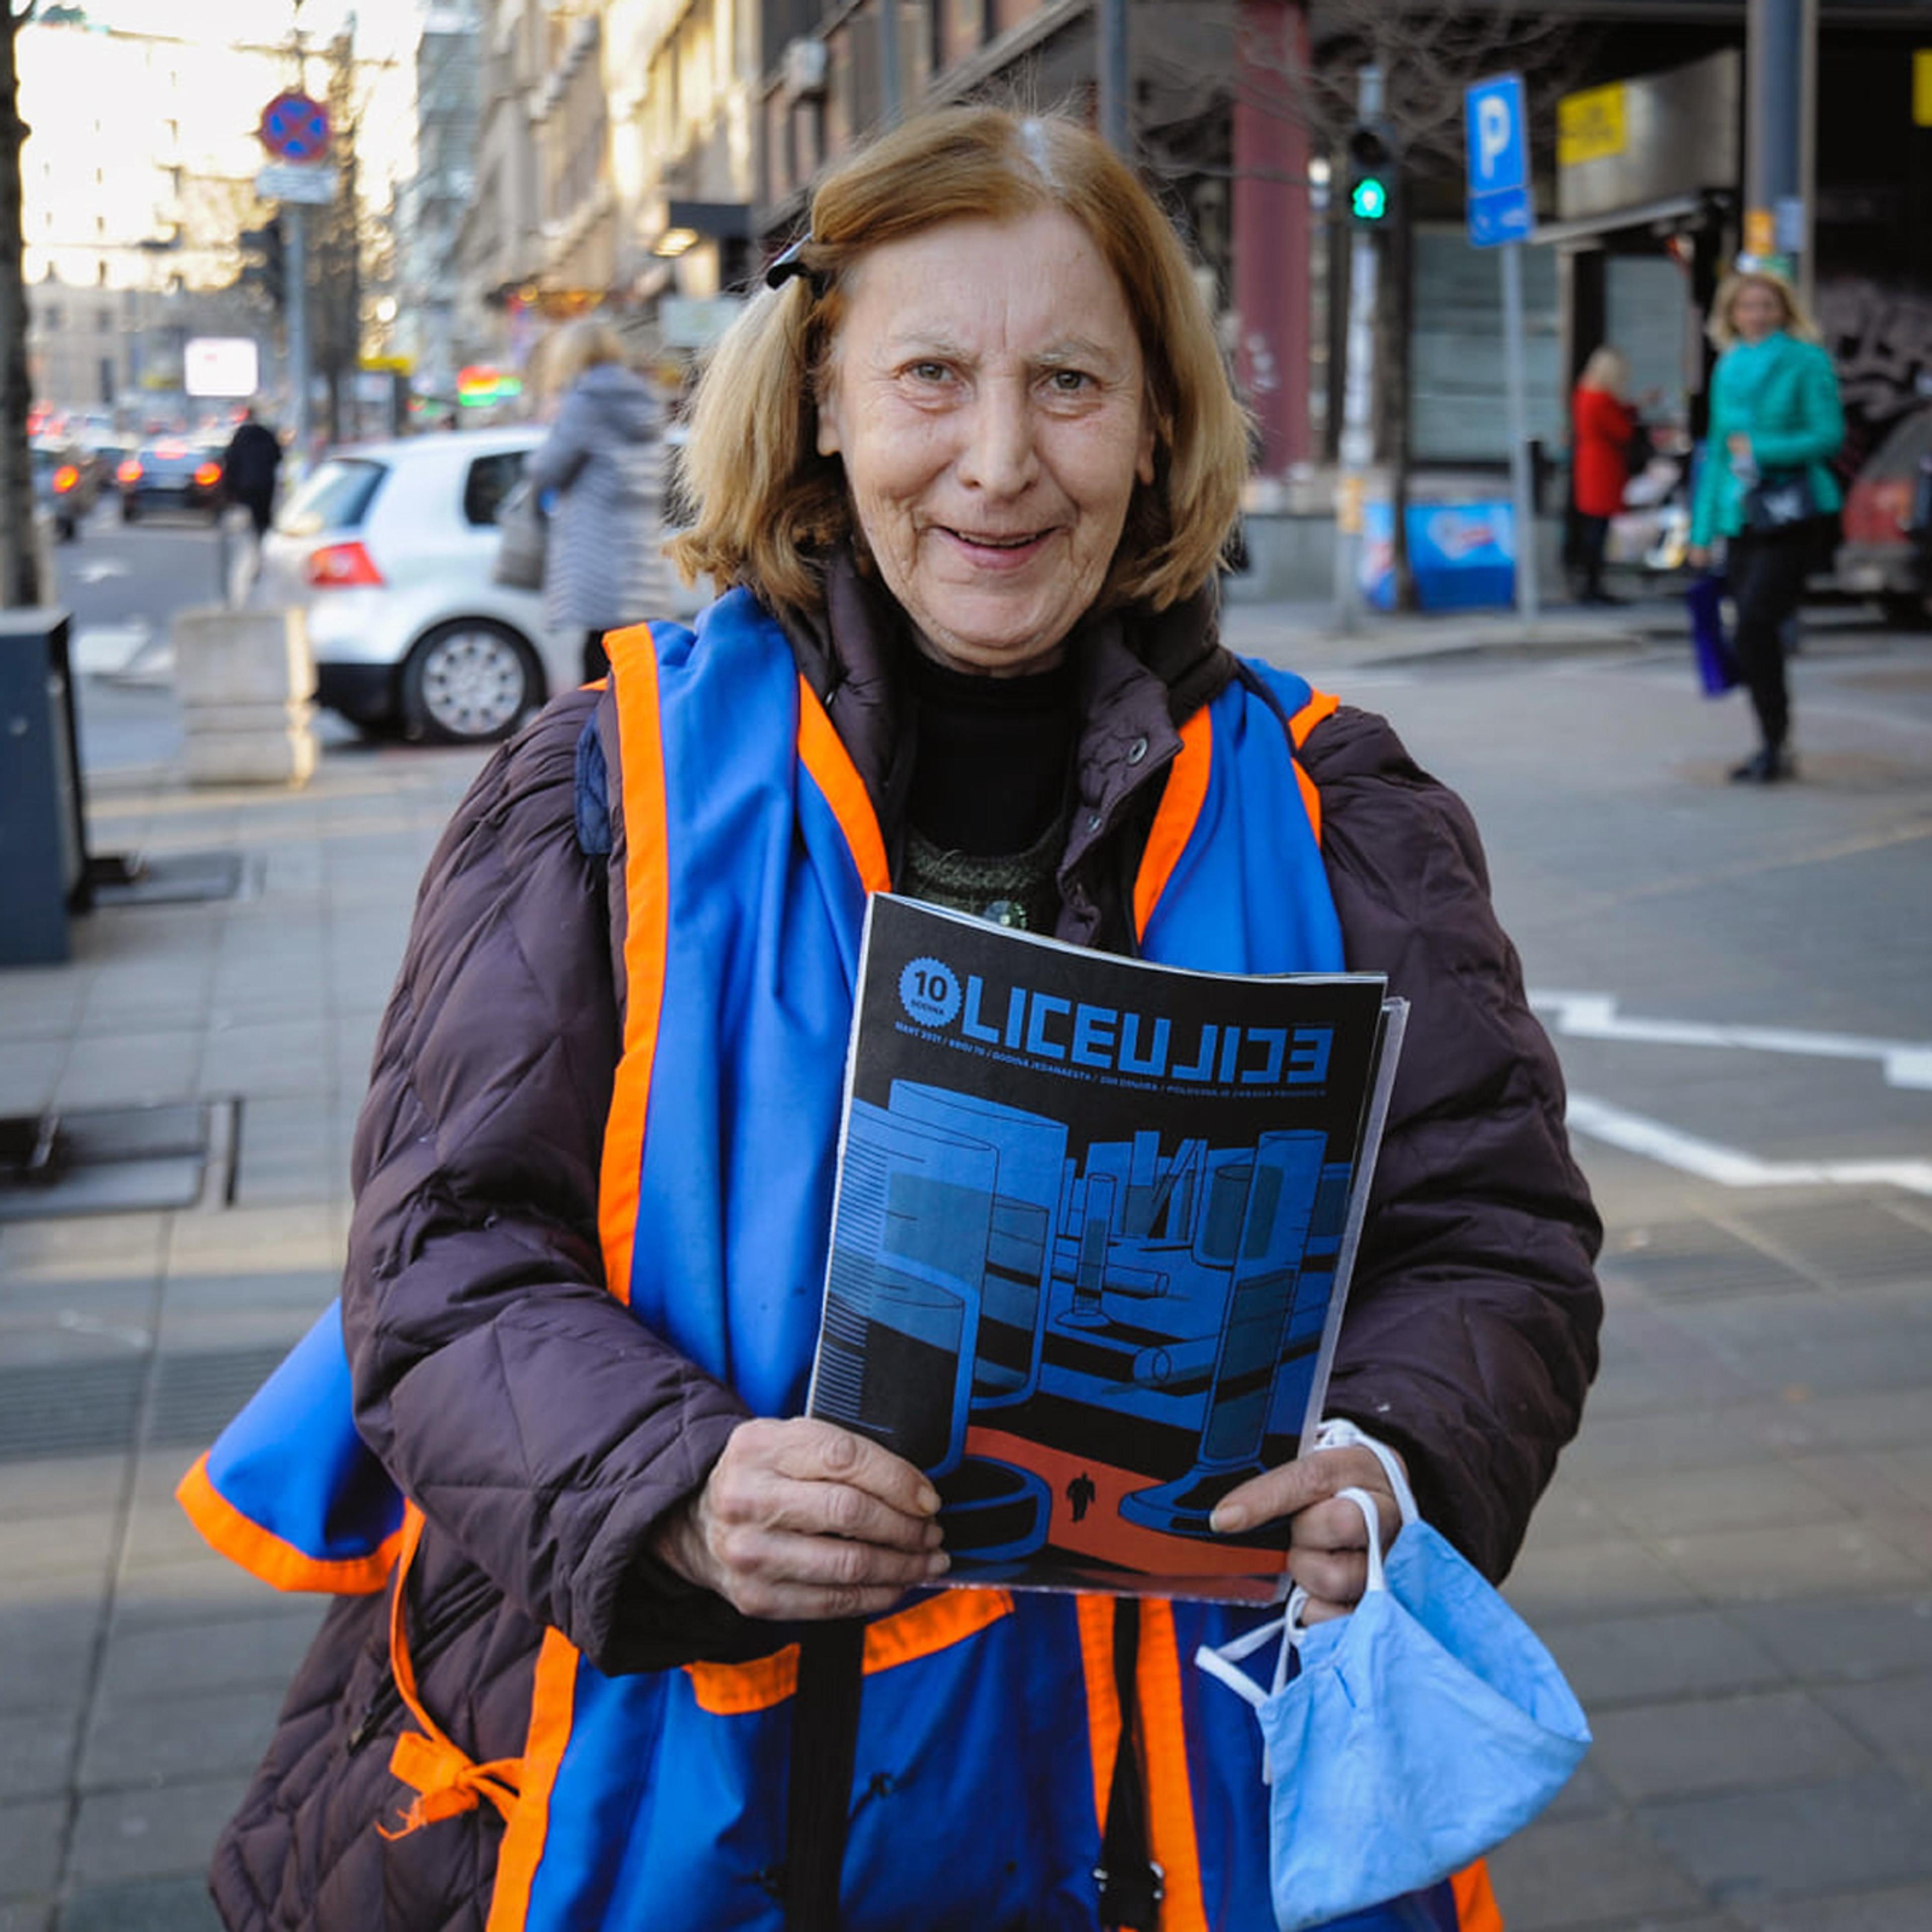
<point>20,583</point>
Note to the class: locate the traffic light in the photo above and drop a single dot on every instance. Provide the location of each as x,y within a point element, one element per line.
<point>264,268</point>
<point>1372,169</point>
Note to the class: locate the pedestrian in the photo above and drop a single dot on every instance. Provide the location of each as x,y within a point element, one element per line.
<point>1765,485</point>
<point>964,468</point>
<point>1603,433</point>
<point>604,459</point>
<point>249,467</point>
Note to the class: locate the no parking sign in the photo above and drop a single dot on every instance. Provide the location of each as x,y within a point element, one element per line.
<point>295,127</point>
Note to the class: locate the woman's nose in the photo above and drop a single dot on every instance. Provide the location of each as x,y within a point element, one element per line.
<point>1000,456</point>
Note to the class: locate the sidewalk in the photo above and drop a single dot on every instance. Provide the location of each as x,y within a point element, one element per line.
<point>1735,1564</point>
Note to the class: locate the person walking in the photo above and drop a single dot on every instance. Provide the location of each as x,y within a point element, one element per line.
<point>1602,430</point>
<point>1765,484</point>
<point>604,461</point>
<point>649,1645</point>
<point>250,466</point>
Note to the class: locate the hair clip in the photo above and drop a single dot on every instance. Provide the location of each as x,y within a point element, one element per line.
<point>792,262</point>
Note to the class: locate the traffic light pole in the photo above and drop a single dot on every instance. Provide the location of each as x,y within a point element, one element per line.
<point>295,219</point>
<point>1356,444</point>
<point>1521,490</point>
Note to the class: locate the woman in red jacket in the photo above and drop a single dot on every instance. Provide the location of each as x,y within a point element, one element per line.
<point>1602,424</point>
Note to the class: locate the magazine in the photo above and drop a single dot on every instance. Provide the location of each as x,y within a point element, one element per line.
<point>1090,1241</point>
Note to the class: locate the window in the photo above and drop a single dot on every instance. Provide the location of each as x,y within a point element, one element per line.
<point>489,483</point>
<point>337,496</point>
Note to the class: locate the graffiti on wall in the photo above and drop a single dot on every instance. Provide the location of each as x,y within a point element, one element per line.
<point>1880,339</point>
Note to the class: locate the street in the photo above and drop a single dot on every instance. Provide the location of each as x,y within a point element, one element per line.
<point>1734,1565</point>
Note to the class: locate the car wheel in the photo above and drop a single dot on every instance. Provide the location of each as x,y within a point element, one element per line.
<point>468,682</point>
<point>1903,610</point>
<point>66,529</point>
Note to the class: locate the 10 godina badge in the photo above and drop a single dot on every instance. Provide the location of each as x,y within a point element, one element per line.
<point>929,992</point>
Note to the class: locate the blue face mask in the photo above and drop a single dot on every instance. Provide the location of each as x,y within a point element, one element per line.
<point>1417,1733</point>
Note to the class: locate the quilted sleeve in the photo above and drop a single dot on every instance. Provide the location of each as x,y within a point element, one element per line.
<point>1471,1333</point>
<point>532,1418</point>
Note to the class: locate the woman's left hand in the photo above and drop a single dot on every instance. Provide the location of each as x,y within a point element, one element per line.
<point>1328,1553</point>
<point>1738,444</point>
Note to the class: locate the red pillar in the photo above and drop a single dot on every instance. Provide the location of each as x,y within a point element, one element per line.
<point>1271,228</point>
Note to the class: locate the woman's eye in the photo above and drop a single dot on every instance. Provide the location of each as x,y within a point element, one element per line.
<point>1069,382</point>
<point>928,372</point>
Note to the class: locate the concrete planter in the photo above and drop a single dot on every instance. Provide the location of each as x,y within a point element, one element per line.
<point>246,681</point>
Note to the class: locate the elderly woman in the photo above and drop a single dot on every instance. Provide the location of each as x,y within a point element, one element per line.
<point>656,1651</point>
<point>1766,483</point>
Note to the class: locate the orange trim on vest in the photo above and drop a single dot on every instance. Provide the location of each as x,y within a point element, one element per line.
<point>552,1700</point>
<point>1103,1707</point>
<point>1476,1907</point>
<point>1320,705</point>
<point>1164,1756</point>
<point>261,1554</point>
<point>1173,821</point>
<point>647,896</point>
<point>822,753</point>
<point>736,1690</point>
<point>445,1779</point>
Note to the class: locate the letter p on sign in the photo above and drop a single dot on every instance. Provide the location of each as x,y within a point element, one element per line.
<point>1493,133</point>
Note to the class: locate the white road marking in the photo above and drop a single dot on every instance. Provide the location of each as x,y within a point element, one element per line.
<point>98,570</point>
<point>1594,1016</point>
<point>1730,1167</point>
<point>99,650</point>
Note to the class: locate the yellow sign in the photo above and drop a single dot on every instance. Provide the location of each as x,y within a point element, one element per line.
<point>396,365</point>
<point>1921,87</point>
<point>1590,125</point>
<point>1349,506</point>
<point>1760,232</point>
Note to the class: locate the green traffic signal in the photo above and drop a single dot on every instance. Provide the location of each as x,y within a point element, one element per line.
<point>1368,199</point>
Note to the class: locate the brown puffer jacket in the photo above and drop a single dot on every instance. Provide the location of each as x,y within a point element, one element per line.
<point>543,1431</point>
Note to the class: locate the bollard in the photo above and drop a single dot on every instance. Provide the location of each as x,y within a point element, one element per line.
<point>43,836</point>
<point>246,680</point>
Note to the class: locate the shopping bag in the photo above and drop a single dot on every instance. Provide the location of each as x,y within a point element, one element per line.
<point>1716,661</point>
<point>522,541</point>
<point>1781,500</point>
<point>1415,1733</point>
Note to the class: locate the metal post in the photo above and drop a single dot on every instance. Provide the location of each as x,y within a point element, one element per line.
<point>1520,494</point>
<point>1357,445</point>
<point>889,104</point>
<point>295,221</point>
<point>1780,85</point>
<point>1112,15</point>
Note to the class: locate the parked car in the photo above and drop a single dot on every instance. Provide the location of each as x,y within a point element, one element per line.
<point>389,547</point>
<point>66,484</point>
<point>1887,550</point>
<point>170,473</point>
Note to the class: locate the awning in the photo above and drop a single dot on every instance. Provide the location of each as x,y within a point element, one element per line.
<point>1669,212</point>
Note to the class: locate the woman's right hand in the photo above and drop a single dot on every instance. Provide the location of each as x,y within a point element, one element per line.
<point>1697,557</point>
<point>802,1520</point>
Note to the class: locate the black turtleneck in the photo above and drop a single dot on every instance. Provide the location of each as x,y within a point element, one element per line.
<point>994,755</point>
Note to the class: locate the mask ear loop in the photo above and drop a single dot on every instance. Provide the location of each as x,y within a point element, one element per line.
<point>1339,1433</point>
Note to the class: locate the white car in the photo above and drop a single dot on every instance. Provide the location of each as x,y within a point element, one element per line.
<point>389,547</point>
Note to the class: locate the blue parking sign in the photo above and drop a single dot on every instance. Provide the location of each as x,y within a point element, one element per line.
<point>1499,161</point>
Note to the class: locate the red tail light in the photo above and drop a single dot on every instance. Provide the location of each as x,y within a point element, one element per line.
<point>209,474</point>
<point>129,472</point>
<point>336,566</point>
<point>65,478</point>
<point>1878,511</point>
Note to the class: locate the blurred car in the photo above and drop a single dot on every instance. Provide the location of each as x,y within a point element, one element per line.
<point>1886,553</point>
<point>67,483</point>
<point>170,473</point>
<point>389,547</point>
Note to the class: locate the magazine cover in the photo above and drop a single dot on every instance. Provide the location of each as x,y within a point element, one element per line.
<point>1090,1240</point>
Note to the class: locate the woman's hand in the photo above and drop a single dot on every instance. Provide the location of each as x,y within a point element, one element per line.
<point>1328,1550</point>
<point>1697,555</point>
<point>1739,445</point>
<point>802,1520</point>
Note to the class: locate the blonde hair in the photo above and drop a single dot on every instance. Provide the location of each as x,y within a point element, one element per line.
<point>767,504</point>
<point>578,346</point>
<point>1607,369</point>
<point>1724,334</point>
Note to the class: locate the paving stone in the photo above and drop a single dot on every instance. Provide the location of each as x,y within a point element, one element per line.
<point>60,1483</point>
<point>1617,1575</point>
<point>1895,1715</point>
<point>129,1069</point>
<point>1848,1641</point>
<point>1587,1872</point>
<point>162,1831</point>
<point>1716,1744</point>
<point>36,1753</point>
<point>233,1653</point>
<point>30,1915</point>
<point>135,1741</point>
<point>1611,1446</point>
<point>47,1648</point>
<point>79,1544</point>
<point>1894,1909</point>
<point>1800,1560</point>
<point>30,1837</point>
<point>1644,1659</point>
<point>155,1905</point>
<point>1798,1839</point>
<point>1742,1496</point>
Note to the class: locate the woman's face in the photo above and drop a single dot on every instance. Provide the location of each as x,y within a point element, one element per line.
<point>986,396</point>
<point>1757,311</point>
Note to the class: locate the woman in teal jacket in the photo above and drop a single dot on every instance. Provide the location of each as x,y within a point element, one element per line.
<point>1775,422</point>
